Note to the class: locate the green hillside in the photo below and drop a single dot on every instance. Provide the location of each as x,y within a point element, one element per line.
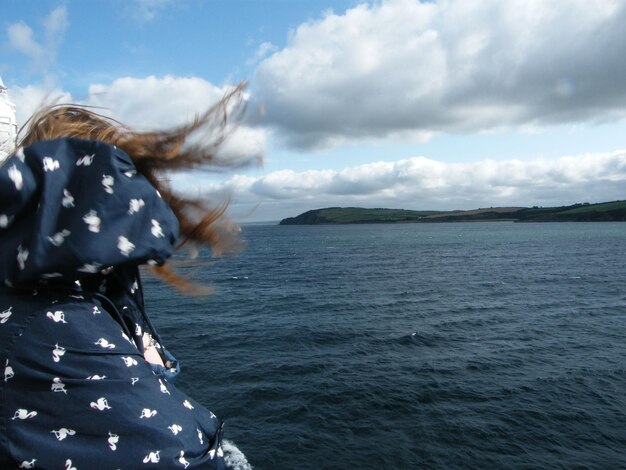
<point>602,212</point>
<point>356,215</point>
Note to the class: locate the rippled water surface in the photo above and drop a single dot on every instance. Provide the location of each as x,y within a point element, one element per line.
<point>476,345</point>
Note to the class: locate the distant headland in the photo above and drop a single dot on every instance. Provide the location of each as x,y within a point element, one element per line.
<point>583,212</point>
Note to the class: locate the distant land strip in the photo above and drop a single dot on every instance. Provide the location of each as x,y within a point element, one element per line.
<point>582,212</point>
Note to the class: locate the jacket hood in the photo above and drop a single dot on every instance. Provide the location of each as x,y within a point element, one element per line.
<point>72,208</point>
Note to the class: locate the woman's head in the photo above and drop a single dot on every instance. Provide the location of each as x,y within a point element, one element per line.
<point>154,153</point>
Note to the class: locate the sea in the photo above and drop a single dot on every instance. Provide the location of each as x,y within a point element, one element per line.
<point>410,346</point>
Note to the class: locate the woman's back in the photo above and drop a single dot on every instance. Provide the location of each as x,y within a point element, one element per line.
<point>76,219</point>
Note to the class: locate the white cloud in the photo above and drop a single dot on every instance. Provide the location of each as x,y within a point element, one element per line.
<point>144,11</point>
<point>43,52</point>
<point>154,102</point>
<point>30,98</point>
<point>148,103</point>
<point>403,66</point>
<point>21,38</point>
<point>55,25</point>
<point>262,51</point>
<point>422,183</point>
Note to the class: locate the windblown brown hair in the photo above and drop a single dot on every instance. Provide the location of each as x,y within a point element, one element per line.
<point>154,153</point>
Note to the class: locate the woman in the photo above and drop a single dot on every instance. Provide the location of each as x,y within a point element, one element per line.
<point>87,381</point>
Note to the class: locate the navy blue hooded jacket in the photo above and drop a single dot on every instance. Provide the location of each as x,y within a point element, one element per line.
<point>76,220</point>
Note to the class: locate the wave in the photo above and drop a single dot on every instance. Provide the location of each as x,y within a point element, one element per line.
<point>235,459</point>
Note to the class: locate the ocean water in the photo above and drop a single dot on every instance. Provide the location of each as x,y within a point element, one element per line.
<point>469,345</point>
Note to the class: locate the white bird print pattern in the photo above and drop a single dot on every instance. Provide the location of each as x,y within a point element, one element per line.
<point>63,433</point>
<point>49,164</point>
<point>29,464</point>
<point>86,160</point>
<point>22,256</point>
<point>107,183</point>
<point>5,220</point>
<point>124,245</point>
<point>103,343</point>
<point>68,199</point>
<point>96,377</point>
<point>24,414</point>
<point>16,177</point>
<point>8,372</point>
<point>212,453</point>
<point>58,238</point>
<point>156,229</point>
<point>57,316</point>
<point>147,413</point>
<point>152,457</point>
<point>135,206</point>
<point>175,428</point>
<point>113,440</point>
<point>58,386</point>
<point>92,220</point>
<point>163,387</point>
<point>188,405</point>
<point>57,352</point>
<point>100,404</point>
<point>68,465</point>
<point>129,361</point>
<point>4,316</point>
<point>182,460</point>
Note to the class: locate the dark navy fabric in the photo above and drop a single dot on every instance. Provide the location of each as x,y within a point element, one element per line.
<point>76,221</point>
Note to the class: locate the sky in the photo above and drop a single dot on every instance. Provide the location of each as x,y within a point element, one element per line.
<point>444,104</point>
